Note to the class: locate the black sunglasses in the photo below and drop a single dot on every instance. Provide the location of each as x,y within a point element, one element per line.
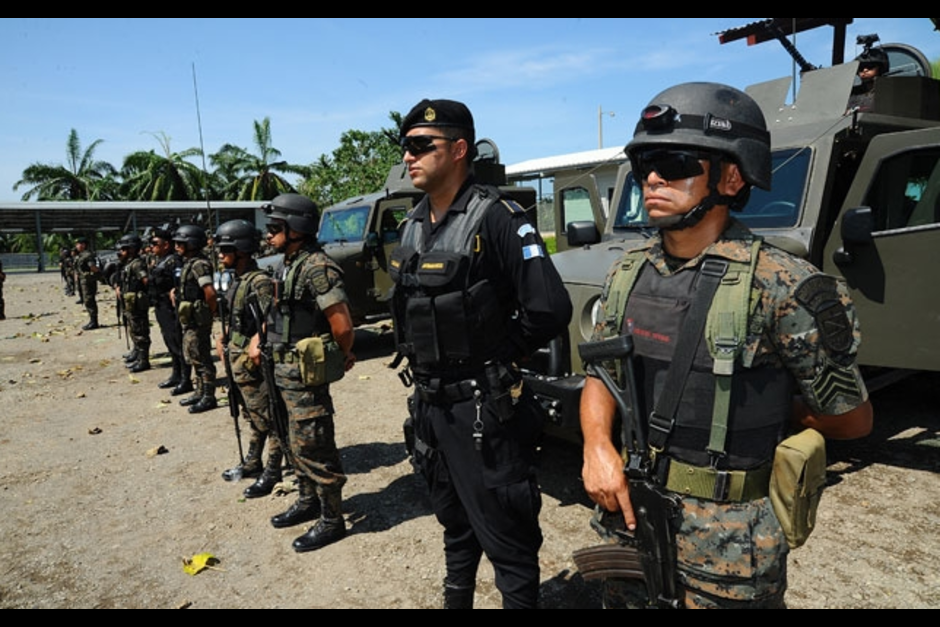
<point>670,165</point>
<point>275,228</point>
<point>418,145</point>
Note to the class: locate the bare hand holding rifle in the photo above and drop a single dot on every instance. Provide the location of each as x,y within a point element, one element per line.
<point>646,546</point>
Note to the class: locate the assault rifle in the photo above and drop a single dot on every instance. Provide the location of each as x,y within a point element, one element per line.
<point>235,400</point>
<point>649,553</point>
<point>276,406</point>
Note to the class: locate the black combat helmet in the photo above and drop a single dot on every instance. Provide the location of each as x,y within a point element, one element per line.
<point>299,212</point>
<point>709,117</point>
<point>875,58</point>
<point>240,234</point>
<point>191,236</point>
<point>130,241</point>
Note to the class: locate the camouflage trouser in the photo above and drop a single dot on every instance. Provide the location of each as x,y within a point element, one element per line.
<point>731,556</point>
<point>312,433</point>
<point>197,350</point>
<point>89,291</point>
<point>138,327</point>
<point>254,391</point>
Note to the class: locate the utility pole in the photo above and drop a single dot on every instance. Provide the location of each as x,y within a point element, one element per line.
<point>600,125</point>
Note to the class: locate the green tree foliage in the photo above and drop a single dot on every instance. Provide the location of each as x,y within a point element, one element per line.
<point>359,166</point>
<point>255,176</point>
<point>149,176</point>
<point>82,178</point>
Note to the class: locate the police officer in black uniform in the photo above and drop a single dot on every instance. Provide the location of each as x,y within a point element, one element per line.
<point>476,294</point>
<point>163,280</point>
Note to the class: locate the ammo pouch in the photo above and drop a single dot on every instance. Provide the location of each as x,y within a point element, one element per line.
<point>797,483</point>
<point>130,301</point>
<point>185,314</point>
<point>322,361</point>
<point>136,302</point>
<point>194,314</point>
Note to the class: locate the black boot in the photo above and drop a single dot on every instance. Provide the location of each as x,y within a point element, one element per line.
<point>132,356</point>
<point>305,509</point>
<point>250,468</point>
<point>458,598</point>
<point>176,378</point>
<point>207,402</point>
<point>329,529</point>
<point>92,325</point>
<point>143,363</point>
<point>269,478</point>
<point>195,398</point>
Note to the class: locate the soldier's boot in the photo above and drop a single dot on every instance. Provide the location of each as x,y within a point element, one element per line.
<point>250,467</point>
<point>92,324</point>
<point>207,402</point>
<point>176,378</point>
<point>195,398</point>
<point>458,597</point>
<point>143,362</point>
<point>305,509</point>
<point>132,356</point>
<point>269,478</point>
<point>186,380</point>
<point>329,529</point>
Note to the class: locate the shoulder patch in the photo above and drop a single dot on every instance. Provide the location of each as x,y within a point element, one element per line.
<point>819,294</point>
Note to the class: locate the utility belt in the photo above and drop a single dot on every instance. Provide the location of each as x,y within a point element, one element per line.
<point>720,486</point>
<point>284,354</point>
<point>495,379</point>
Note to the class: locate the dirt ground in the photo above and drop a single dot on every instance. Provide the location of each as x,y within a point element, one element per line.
<point>92,519</point>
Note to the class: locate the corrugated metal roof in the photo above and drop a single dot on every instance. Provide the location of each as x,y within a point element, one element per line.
<point>548,166</point>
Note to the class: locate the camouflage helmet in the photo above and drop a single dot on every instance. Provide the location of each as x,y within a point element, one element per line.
<point>240,234</point>
<point>710,117</point>
<point>299,212</point>
<point>130,241</point>
<point>191,236</point>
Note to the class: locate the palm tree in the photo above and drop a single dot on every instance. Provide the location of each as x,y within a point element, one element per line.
<point>256,177</point>
<point>83,178</point>
<point>152,177</point>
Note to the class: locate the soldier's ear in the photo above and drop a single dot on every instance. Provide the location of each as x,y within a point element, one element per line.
<point>732,181</point>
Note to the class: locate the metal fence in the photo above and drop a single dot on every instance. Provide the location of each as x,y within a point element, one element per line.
<point>28,262</point>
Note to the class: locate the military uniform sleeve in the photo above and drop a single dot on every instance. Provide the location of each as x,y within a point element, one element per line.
<point>205,275</point>
<point>325,278</point>
<point>545,307</point>
<point>817,333</point>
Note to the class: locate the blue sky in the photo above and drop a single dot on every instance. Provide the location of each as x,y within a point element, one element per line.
<point>535,85</point>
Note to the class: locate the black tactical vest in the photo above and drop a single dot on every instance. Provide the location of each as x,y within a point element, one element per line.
<point>445,325</point>
<point>761,398</point>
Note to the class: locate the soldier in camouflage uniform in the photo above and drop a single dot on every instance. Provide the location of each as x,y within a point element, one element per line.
<point>86,267</point>
<point>801,338</point>
<point>310,302</point>
<point>66,267</point>
<point>163,277</point>
<point>196,308</point>
<point>3,305</point>
<point>134,294</point>
<point>251,294</point>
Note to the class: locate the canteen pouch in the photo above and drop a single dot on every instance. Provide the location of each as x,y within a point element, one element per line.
<point>797,483</point>
<point>322,361</point>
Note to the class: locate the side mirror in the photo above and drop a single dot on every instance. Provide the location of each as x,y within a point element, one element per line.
<point>372,241</point>
<point>581,234</point>
<point>858,227</point>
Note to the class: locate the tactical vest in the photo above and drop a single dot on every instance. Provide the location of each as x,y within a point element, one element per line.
<point>131,279</point>
<point>729,415</point>
<point>296,315</point>
<point>443,323</point>
<point>189,283</point>
<point>242,324</point>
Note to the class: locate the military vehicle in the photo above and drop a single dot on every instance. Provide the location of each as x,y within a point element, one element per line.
<point>855,192</point>
<point>360,233</point>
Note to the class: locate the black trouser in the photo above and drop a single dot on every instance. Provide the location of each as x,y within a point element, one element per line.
<point>169,327</point>
<point>487,500</point>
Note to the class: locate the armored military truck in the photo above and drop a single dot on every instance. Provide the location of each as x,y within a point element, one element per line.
<point>855,192</point>
<point>360,233</point>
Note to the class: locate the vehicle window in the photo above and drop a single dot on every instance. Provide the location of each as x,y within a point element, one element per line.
<point>392,217</point>
<point>343,226</point>
<point>576,205</point>
<point>779,208</point>
<point>906,191</point>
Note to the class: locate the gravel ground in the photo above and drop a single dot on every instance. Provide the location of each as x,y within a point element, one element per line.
<point>94,519</point>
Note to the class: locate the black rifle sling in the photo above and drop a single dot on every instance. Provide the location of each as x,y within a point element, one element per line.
<point>663,418</point>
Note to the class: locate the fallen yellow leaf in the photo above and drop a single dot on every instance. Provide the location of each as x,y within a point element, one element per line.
<point>200,563</point>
